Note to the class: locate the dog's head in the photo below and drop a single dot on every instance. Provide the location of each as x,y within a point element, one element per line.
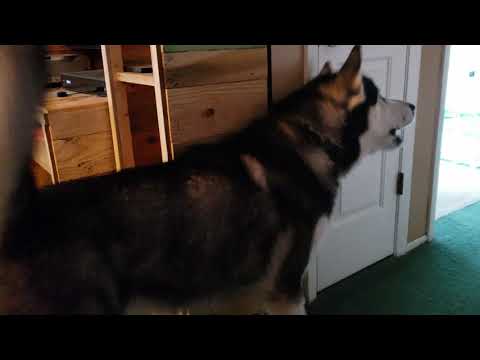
<point>351,108</point>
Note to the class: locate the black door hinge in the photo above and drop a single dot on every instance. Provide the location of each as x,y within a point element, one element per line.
<point>400,184</point>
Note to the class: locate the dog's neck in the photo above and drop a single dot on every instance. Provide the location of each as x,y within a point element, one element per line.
<point>328,157</point>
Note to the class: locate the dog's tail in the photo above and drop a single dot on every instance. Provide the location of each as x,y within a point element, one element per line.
<point>22,78</point>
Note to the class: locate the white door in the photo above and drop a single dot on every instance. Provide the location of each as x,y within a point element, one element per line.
<point>362,228</point>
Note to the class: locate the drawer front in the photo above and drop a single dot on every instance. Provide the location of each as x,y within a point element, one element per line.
<point>203,113</point>
<point>84,156</point>
<point>79,122</point>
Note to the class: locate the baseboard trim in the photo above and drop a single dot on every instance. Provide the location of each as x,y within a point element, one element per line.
<point>415,243</point>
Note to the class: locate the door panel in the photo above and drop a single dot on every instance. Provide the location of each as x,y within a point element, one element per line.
<point>362,229</point>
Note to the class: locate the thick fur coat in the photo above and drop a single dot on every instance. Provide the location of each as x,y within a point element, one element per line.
<point>224,221</point>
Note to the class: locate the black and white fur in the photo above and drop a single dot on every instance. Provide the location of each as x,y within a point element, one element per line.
<point>225,226</point>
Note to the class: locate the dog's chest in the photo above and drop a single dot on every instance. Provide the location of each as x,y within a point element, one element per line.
<point>320,231</point>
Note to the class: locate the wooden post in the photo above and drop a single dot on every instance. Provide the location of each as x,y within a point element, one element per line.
<point>118,107</point>
<point>163,114</point>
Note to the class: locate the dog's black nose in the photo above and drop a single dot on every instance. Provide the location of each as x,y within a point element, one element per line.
<point>412,107</point>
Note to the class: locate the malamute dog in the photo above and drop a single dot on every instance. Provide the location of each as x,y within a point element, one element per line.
<point>225,222</point>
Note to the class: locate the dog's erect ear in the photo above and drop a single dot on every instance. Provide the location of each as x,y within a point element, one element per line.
<point>344,91</point>
<point>327,69</point>
<point>351,69</point>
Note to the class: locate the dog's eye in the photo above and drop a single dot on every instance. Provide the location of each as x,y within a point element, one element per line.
<point>393,132</point>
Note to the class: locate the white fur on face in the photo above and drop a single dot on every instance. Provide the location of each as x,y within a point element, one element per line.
<point>385,116</point>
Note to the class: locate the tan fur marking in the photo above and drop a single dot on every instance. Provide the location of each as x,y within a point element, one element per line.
<point>333,118</point>
<point>357,83</point>
<point>256,171</point>
<point>285,307</point>
<point>290,133</point>
<point>338,91</point>
<point>331,108</point>
<point>358,87</point>
<point>280,252</point>
<point>319,161</point>
<point>335,90</point>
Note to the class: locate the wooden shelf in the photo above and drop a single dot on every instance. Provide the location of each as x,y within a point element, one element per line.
<point>135,78</point>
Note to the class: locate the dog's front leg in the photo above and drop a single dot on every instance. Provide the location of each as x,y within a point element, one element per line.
<point>287,307</point>
<point>287,296</point>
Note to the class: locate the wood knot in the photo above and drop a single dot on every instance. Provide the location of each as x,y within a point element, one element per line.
<point>152,140</point>
<point>209,112</point>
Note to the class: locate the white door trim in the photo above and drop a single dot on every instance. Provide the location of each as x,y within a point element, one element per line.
<point>311,63</point>
<point>412,73</point>
<point>414,54</point>
<point>438,143</point>
<point>310,68</point>
<point>416,243</point>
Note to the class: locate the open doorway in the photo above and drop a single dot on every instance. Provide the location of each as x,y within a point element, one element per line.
<point>458,182</point>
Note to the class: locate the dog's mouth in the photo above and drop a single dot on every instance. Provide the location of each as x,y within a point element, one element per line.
<point>397,140</point>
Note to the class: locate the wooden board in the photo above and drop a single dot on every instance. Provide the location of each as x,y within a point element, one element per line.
<point>203,113</point>
<point>144,124</point>
<point>214,67</point>
<point>41,151</point>
<point>161,101</point>
<point>191,48</point>
<point>187,69</point>
<point>135,78</point>
<point>41,177</point>
<point>141,107</point>
<point>58,49</point>
<point>78,122</point>
<point>136,54</point>
<point>147,147</point>
<point>53,103</point>
<point>140,54</point>
<point>118,107</point>
<point>84,156</point>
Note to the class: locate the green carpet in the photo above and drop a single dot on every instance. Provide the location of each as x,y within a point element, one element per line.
<point>441,277</point>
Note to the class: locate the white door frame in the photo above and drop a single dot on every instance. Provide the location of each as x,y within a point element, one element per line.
<point>414,58</point>
<point>438,144</point>
<point>412,73</point>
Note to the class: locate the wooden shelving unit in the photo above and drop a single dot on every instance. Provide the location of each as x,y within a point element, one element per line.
<point>118,100</point>
<point>195,94</point>
<point>198,96</point>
